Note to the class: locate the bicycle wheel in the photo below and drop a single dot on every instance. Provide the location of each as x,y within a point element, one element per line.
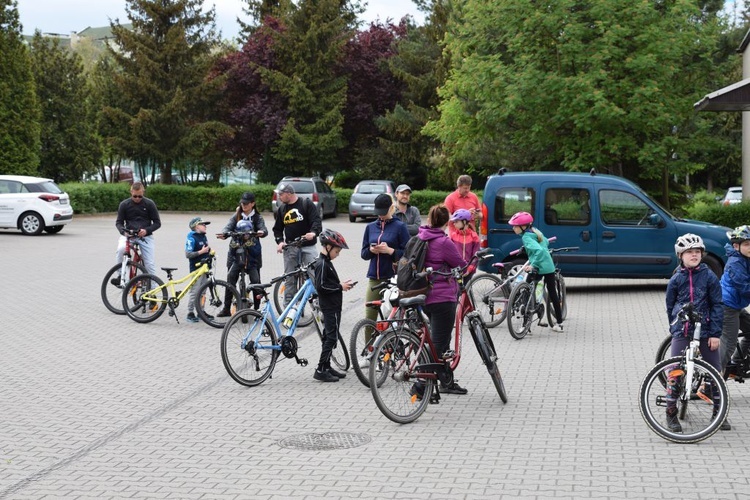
<point>112,291</point>
<point>489,298</point>
<point>361,342</point>
<point>698,418</point>
<point>664,352</point>
<point>486,349</point>
<point>393,376</point>
<point>519,319</point>
<point>278,300</point>
<point>210,303</point>
<point>247,348</point>
<point>138,308</point>
<point>562,294</point>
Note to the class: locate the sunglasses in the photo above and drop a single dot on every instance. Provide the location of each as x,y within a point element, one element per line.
<point>136,196</point>
<point>246,202</point>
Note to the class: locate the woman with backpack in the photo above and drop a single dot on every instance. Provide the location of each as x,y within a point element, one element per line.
<point>383,245</point>
<point>440,305</point>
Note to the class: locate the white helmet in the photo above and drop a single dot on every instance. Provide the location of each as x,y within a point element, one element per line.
<point>688,241</point>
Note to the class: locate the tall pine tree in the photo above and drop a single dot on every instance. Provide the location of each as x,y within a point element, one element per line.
<point>19,108</point>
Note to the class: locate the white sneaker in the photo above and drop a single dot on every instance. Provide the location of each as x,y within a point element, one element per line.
<point>558,328</point>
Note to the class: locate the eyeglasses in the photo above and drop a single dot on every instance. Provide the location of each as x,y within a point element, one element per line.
<point>136,196</point>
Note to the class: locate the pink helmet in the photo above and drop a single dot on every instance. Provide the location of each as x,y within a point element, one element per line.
<point>521,219</point>
<point>461,214</point>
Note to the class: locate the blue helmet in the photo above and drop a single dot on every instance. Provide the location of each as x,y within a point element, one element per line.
<point>244,225</point>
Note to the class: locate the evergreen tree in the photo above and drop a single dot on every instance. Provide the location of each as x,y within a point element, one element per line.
<point>69,145</point>
<point>309,51</point>
<point>165,59</point>
<point>19,108</point>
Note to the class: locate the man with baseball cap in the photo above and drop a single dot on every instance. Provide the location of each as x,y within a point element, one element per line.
<point>406,213</point>
<point>296,217</point>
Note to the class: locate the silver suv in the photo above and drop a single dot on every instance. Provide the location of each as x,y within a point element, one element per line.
<point>312,188</point>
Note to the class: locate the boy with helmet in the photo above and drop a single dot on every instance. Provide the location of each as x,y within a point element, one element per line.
<point>329,290</point>
<point>735,291</point>
<point>196,247</point>
<point>464,237</point>
<point>693,281</point>
<point>540,261</point>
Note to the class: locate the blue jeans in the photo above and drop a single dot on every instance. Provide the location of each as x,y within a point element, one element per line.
<point>147,251</point>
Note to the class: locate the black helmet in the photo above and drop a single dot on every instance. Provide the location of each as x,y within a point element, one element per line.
<point>334,238</point>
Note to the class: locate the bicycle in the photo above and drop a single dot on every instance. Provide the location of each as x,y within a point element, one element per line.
<point>366,331</point>
<point>119,274</point>
<point>405,366</point>
<point>146,297</point>
<point>702,399</point>
<point>280,287</point>
<point>238,241</point>
<point>252,340</point>
<point>490,293</point>
<point>523,305</point>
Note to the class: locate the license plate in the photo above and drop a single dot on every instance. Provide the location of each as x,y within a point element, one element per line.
<point>63,201</point>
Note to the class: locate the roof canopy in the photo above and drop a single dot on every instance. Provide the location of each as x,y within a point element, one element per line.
<point>735,97</point>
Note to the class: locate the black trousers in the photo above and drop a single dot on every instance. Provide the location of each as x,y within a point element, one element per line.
<point>234,273</point>
<point>442,315</point>
<point>331,323</point>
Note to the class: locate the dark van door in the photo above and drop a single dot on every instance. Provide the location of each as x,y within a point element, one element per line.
<point>636,239</point>
<point>567,214</point>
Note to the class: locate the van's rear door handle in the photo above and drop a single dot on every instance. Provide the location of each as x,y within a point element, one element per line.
<point>608,234</point>
<point>586,235</point>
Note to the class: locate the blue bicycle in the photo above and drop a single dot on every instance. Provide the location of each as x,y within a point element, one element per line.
<point>252,340</point>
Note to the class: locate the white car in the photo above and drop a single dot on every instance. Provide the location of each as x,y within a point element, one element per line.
<point>734,195</point>
<point>33,205</point>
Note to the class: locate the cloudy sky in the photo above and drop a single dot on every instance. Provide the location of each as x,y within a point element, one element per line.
<point>64,16</point>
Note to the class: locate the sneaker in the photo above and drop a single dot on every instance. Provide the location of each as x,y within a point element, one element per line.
<point>543,323</point>
<point>364,363</point>
<point>453,388</point>
<point>673,423</point>
<point>336,373</point>
<point>324,376</point>
<point>558,328</point>
<point>224,313</point>
<point>209,317</point>
<point>115,281</point>
<point>417,390</point>
<point>192,318</point>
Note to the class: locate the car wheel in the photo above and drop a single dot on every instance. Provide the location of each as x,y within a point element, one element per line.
<point>322,214</point>
<point>53,229</point>
<point>335,210</point>
<point>352,218</point>
<point>31,223</point>
<point>714,264</point>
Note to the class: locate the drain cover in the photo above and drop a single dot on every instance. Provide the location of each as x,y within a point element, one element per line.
<point>325,441</point>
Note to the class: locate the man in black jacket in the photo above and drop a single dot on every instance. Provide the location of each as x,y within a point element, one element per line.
<point>138,215</point>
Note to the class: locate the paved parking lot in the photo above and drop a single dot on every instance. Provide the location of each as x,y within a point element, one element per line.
<point>96,405</point>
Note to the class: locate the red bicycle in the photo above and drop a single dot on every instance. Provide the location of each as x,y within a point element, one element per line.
<point>115,279</point>
<point>405,366</point>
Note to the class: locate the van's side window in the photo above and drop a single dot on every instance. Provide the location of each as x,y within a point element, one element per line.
<point>511,200</point>
<point>567,207</point>
<point>623,209</point>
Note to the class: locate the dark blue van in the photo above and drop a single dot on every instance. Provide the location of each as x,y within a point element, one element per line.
<point>620,230</point>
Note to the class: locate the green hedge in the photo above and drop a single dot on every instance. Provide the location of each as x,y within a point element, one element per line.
<point>716,213</point>
<point>93,198</point>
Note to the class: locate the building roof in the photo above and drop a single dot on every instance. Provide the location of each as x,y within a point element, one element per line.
<point>735,97</point>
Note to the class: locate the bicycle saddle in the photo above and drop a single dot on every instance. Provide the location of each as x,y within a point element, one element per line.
<point>413,301</point>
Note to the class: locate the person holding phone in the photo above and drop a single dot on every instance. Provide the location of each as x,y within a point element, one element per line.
<point>383,244</point>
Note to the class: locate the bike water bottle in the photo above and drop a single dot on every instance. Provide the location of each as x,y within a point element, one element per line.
<point>290,317</point>
<point>539,292</point>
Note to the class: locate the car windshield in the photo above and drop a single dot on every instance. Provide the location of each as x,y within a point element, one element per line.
<point>734,194</point>
<point>43,187</point>
<point>301,187</point>
<point>371,189</point>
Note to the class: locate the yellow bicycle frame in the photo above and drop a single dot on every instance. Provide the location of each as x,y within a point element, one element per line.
<point>154,295</point>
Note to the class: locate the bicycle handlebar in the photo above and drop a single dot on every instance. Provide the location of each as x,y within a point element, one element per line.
<point>687,314</point>
<point>296,242</point>
<point>458,271</point>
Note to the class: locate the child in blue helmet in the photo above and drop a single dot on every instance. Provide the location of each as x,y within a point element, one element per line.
<point>196,251</point>
<point>735,292</point>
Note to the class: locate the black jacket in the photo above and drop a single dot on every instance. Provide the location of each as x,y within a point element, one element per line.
<point>327,284</point>
<point>136,216</point>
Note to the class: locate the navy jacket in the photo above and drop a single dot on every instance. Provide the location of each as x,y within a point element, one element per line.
<point>701,287</point>
<point>391,231</point>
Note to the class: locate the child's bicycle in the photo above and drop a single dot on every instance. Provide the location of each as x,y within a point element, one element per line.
<point>700,393</point>
<point>238,241</point>
<point>491,293</point>
<point>115,279</point>
<point>405,366</point>
<point>524,306</point>
<point>146,296</point>
<point>252,340</point>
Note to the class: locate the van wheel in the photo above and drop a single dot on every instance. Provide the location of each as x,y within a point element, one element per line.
<point>513,267</point>
<point>714,264</point>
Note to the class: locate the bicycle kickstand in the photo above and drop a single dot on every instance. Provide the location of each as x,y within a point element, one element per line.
<point>172,312</point>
